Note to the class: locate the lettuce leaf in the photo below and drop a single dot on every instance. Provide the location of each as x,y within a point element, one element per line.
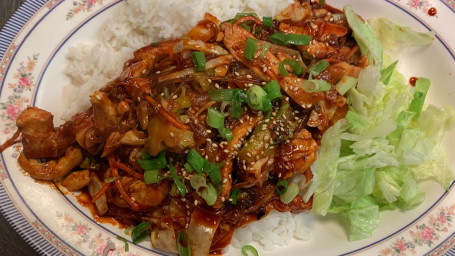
<point>373,160</point>
<point>395,38</point>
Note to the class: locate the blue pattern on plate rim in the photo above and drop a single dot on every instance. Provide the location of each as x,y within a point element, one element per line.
<point>7,207</point>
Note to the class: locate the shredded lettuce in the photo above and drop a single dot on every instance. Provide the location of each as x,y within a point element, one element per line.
<point>395,38</point>
<point>389,141</point>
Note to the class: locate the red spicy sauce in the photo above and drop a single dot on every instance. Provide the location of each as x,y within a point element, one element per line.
<point>432,11</point>
<point>413,80</point>
<point>85,200</point>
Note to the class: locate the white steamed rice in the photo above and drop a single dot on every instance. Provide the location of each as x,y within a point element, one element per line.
<point>141,22</point>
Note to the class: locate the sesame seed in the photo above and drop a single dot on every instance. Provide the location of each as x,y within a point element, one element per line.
<point>223,199</point>
<point>209,80</point>
<point>237,73</point>
<point>196,202</point>
<point>208,131</point>
<point>249,76</point>
<point>183,199</point>
<point>171,134</point>
<point>279,175</point>
<point>214,145</point>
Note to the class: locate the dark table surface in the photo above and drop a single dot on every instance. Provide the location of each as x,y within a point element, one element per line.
<point>10,242</point>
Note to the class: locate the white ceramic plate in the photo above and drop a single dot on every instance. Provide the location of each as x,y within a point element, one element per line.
<point>33,45</point>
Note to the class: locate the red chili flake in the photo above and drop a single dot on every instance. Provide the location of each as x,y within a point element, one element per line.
<point>413,80</point>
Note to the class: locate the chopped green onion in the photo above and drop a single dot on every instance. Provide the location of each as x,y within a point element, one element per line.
<point>267,21</point>
<point>140,232</point>
<point>387,72</point>
<point>248,250</point>
<point>226,133</point>
<point>273,90</point>
<point>197,182</point>
<point>234,195</point>
<point>223,106</point>
<point>311,86</point>
<point>238,97</point>
<point>294,65</point>
<point>188,167</point>
<point>256,97</point>
<point>153,163</point>
<point>318,67</point>
<point>250,48</point>
<point>221,95</point>
<point>127,247</point>
<point>146,155</point>
<point>183,244</point>
<point>152,176</point>
<point>215,118</point>
<point>198,60</point>
<point>291,192</point>
<point>287,39</point>
<point>179,181</point>
<point>281,187</point>
<point>421,89</point>
<point>243,14</point>
<point>241,94</point>
<point>209,194</point>
<point>111,179</point>
<point>166,92</point>
<point>266,103</point>
<point>235,96</point>
<point>246,27</point>
<point>346,83</point>
<point>264,51</point>
<point>321,3</point>
<point>214,173</point>
<point>195,160</point>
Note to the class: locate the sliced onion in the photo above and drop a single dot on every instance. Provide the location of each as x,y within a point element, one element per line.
<point>201,230</point>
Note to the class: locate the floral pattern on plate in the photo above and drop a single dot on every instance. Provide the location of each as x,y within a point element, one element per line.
<point>427,234</point>
<point>82,6</point>
<point>84,235</point>
<point>16,102</point>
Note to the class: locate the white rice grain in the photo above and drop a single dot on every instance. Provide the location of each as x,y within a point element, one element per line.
<point>136,24</point>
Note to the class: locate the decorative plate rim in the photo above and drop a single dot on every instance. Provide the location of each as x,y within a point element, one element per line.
<point>19,220</point>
